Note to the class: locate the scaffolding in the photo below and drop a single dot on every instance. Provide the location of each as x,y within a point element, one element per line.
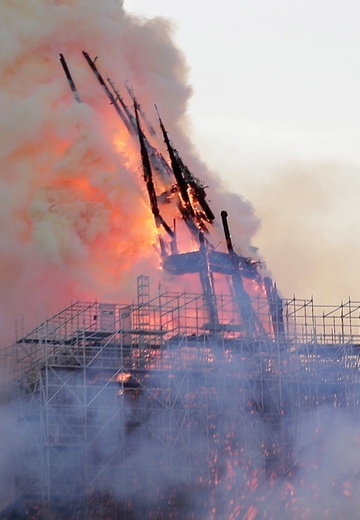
<point>111,384</point>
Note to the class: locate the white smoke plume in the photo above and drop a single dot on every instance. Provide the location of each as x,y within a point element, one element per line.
<point>75,221</point>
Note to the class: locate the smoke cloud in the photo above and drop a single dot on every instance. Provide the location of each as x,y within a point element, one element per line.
<point>308,212</point>
<point>75,221</point>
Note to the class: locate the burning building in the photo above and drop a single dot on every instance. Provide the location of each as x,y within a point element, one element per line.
<point>182,404</point>
<point>207,395</point>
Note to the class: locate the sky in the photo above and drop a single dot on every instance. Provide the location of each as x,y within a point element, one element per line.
<point>275,112</point>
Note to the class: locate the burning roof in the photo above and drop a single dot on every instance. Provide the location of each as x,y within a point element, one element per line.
<point>76,218</point>
<point>174,186</point>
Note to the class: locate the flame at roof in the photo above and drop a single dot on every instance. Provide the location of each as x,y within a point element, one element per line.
<point>73,197</point>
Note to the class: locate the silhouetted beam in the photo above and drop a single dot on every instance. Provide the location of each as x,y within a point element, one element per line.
<point>207,282</point>
<point>150,184</point>
<point>275,308</point>
<point>200,193</point>
<point>159,164</point>
<point>229,245</point>
<point>177,172</point>
<point>109,94</point>
<point>142,113</point>
<point>69,78</point>
<point>185,178</point>
<point>129,115</point>
<point>250,318</point>
<point>219,262</point>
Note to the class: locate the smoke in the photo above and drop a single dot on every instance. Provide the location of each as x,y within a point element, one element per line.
<point>75,221</point>
<point>185,443</point>
<point>326,481</point>
<point>308,232</point>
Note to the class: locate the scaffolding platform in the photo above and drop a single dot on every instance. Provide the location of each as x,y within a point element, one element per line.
<point>103,381</point>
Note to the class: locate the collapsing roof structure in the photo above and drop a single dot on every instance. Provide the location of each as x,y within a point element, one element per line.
<point>181,188</point>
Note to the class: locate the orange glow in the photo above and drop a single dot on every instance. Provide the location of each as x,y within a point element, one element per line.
<point>251,513</point>
<point>122,377</point>
<point>347,489</point>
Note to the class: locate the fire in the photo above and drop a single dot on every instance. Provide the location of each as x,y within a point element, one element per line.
<point>74,200</point>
